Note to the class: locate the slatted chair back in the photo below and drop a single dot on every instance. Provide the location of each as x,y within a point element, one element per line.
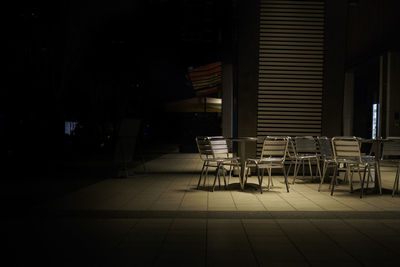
<point>211,147</point>
<point>275,147</point>
<point>219,146</point>
<point>391,149</point>
<point>325,147</point>
<point>204,147</point>
<point>305,145</point>
<point>346,148</point>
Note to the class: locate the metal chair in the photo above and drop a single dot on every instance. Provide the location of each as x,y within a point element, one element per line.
<point>326,156</point>
<point>301,149</point>
<point>391,158</point>
<point>273,156</point>
<point>347,152</point>
<point>214,152</point>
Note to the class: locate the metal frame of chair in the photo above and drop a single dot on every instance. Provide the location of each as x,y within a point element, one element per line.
<point>347,151</point>
<point>326,156</point>
<point>273,156</point>
<point>214,152</point>
<point>390,157</point>
<point>301,149</point>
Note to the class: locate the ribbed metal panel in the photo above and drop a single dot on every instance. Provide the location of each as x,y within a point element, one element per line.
<point>291,60</point>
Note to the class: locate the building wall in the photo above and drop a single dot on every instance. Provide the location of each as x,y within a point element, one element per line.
<point>393,95</point>
<point>291,57</point>
<point>334,67</point>
<point>247,70</point>
<point>372,28</point>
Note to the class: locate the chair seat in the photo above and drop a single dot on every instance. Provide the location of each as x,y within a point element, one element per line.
<point>273,154</point>
<point>264,162</point>
<point>225,160</point>
<point>390,162</point>
<point>348,161</point>
<point>306,156</point>
<point>328,160</point>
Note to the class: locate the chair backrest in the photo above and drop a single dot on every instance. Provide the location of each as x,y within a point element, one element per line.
<point>212,147</point>
<point>275,147</point>
<point>391,149</point>
<point>347,148</point>
<point>305,145</point>
<point>219,146</point>
<point>325,147</point>
<point>204,147</point>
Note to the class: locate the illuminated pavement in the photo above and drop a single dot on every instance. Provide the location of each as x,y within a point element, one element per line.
<point>159,218</point>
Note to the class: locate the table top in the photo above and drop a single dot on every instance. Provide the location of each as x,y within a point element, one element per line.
<point>239,139</point>
<point>242,138</point>
<point>366,140</point>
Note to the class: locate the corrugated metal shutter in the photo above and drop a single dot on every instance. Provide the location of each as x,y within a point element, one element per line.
<point>290,68</point>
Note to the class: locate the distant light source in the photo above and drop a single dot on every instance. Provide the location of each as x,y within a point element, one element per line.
<point>375,120</point>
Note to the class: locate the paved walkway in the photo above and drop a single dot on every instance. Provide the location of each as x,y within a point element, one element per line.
<point>159,218</point>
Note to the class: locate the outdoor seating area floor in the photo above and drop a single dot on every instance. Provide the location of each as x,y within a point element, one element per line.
<point>159,218</point>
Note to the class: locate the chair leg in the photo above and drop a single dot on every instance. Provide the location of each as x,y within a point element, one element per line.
<point>346,174</point>
<point>262,172</point>
<point>272,180</point>
<point>396,183</point>
<point>295,171</point>
<point>324,167</point>
<point>286,179</point>
<point>351,180</point>
<point>259,179</point>
<point>319,169</point>
<point>269,178</point>
<point>333,181</point>
<point>205,177</point>
<point>311,173</point>
<point>362,182</point>
<point>201,174</point>
<point>247,174</point>
<point>230,173</point>
<point>239,173</point>
<point>397,186</point>
<point>216,176</point>
<point>223,172</point>
<point>219,181</point>
<point>378,172</point>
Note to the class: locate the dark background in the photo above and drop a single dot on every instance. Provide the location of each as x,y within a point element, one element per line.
<point>97,62</point>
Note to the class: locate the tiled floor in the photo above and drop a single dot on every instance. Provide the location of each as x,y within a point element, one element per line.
<point>159,218</point>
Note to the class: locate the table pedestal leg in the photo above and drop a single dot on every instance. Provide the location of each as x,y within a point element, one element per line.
<point>242,156</point>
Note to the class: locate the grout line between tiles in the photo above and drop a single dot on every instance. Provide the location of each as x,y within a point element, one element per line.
<point>250,244</point>
<point>369,237</point>
<point>292,242</point>
<point>334,241</point>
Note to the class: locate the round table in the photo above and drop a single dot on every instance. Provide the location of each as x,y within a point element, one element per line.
<point>242,154</point>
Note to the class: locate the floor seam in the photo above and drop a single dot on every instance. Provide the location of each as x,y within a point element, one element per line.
<point>369,237</point>
<point>336,243</point>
